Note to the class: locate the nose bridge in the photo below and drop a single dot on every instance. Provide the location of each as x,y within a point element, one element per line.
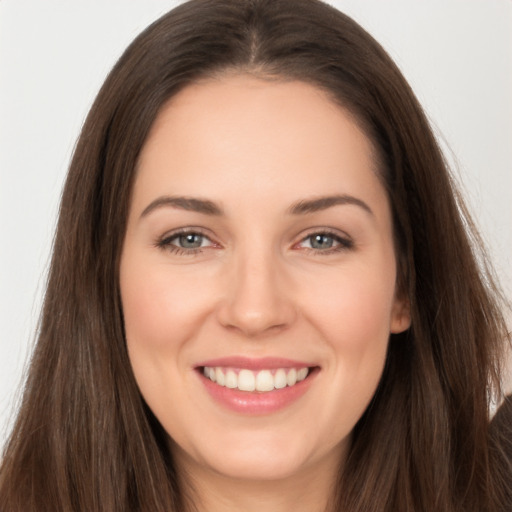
<point>256,298</point>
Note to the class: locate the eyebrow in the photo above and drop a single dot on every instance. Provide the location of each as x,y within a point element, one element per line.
<point>184,203</point>
<point>208,207</point>
<point>323,203</point>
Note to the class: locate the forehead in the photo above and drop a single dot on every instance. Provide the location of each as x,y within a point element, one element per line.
<point>250,136</point>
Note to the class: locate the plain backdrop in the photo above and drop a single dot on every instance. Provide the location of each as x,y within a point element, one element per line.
<point>54,55</point>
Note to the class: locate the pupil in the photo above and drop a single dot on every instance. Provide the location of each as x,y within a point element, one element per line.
<point>191,241</point>
<point>321,242</point>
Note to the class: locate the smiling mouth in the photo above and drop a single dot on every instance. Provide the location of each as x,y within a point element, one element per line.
<point>261,381</point>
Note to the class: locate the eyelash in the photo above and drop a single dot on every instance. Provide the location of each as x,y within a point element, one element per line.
<point>344,243</point>
<point>165,243</point>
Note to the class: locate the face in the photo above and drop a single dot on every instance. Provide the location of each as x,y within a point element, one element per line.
<point>258,277</point>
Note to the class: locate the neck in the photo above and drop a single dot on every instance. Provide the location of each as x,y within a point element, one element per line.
<point>310,490</point>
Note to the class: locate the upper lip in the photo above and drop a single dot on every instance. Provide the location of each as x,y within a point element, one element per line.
<point>262,363</point>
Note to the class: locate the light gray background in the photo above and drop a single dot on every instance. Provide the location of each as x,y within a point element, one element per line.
<point>54,55</point>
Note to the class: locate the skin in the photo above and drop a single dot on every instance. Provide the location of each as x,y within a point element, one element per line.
<point>258,286</point>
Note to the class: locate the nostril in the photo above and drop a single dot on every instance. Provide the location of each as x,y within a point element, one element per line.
<point>253,321</point>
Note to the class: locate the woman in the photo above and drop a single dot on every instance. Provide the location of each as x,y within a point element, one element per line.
<point>262,289</point>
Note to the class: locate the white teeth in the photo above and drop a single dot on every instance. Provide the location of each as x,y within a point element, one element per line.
<point>302,374</point>
<point>291,378</point>
<point>264,381</point>
<point>261,381</point>
<point>231,379</point>
<point>219,377</point>
<point>246,381</point>
<point>280,379</point>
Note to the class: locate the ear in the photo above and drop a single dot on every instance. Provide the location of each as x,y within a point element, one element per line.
<point>400,315</point>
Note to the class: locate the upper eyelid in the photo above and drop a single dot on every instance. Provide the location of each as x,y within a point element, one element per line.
<point>333,232</point>
<point>325,233</point>
<point>167,242</point>
<point>185,231</point>
<point>343,241</point>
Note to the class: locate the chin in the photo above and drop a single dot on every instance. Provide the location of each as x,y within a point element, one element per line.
<point>252,457</point>
<point>252,466</point>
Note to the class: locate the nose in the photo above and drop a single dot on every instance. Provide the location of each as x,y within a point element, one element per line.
<point>257,297</point>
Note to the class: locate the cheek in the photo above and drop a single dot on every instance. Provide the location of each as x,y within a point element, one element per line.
<point>354,309</point>
<point>162,313</point>
<point>353,316</point>
<point>160,307</point>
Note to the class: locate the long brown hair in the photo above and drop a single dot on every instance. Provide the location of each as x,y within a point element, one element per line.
<point>85,440</point>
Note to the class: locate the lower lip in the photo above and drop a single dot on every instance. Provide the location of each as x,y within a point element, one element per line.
<point>246,402</point>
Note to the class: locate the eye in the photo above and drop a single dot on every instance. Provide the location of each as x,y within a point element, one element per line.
<point>185,242</point>
<point>325,242</point>
<point>320,241</point>
<point>189,241</point>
